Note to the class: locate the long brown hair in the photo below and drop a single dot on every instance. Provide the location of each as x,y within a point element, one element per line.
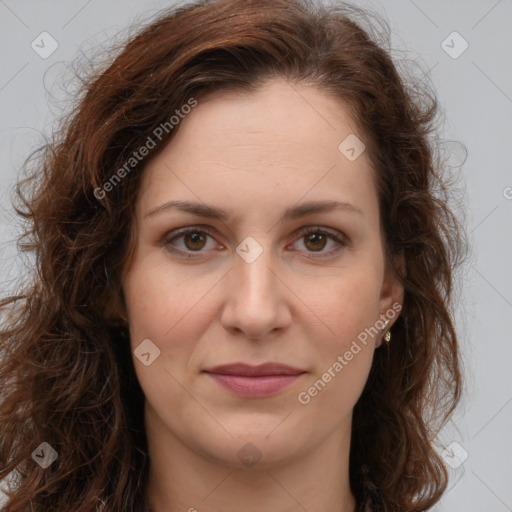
<point>67,374</point>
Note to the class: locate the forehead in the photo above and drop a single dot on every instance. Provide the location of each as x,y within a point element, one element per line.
<point>273,146</point>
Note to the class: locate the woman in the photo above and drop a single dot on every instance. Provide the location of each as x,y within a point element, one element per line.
<point>244,274</point>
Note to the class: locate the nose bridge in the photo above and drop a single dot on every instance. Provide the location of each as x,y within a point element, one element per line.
<point>252,269</point>
<point>254,300</point>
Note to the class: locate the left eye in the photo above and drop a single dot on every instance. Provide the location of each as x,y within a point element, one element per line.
<point>316,240</point>
<point>195,240</point>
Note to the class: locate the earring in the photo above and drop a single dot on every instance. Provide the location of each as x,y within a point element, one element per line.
<point>387,336</point>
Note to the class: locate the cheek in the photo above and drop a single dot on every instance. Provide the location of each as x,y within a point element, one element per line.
<point>148,305</point>
<point>159,306</point>
<point>167,306</point>
<point>159,299</point>
<point>349,306</point>
<point>343,359</point>
<point>348,303</point>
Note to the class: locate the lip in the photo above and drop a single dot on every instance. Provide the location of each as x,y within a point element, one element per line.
<point>255,381</point>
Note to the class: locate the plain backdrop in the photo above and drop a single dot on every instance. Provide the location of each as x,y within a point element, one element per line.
<point>474,87</point>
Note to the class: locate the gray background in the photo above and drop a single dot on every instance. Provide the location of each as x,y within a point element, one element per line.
<point>475,92</point>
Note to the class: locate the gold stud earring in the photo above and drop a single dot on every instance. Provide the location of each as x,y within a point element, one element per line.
<point>387,336</point>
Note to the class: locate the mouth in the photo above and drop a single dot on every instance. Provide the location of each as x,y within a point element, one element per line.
<point>255,381</point>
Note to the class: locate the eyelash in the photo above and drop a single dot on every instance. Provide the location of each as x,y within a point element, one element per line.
<point>205,230</point>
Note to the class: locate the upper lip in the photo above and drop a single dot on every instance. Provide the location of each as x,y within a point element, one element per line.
<point>253,371</point>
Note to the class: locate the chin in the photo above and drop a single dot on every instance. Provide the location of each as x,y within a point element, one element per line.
<point>264,446</point>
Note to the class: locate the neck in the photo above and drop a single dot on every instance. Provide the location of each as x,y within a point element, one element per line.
<point>182,479</point>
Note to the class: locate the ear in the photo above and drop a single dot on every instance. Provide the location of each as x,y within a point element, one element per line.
<point>392,293</point>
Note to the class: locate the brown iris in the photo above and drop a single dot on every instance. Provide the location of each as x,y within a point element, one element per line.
<point>195,241</point>
<point>196,238</point>
<point>315,238</point>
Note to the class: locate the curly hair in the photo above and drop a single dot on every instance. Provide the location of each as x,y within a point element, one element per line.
<point>67,375</point>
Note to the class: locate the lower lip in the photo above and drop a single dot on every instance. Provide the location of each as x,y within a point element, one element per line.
<point>254,386</point>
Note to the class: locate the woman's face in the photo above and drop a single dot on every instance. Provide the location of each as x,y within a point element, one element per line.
<point>252,287</point>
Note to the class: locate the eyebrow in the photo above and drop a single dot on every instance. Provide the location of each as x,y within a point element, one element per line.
<point>291,213</point>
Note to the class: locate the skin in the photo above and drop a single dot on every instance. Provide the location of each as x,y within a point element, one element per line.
<point>255,155</point>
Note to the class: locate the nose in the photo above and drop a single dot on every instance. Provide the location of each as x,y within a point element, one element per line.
<point>256,299</point>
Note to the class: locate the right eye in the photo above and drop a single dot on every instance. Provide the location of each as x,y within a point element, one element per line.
<point>194,240</point>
